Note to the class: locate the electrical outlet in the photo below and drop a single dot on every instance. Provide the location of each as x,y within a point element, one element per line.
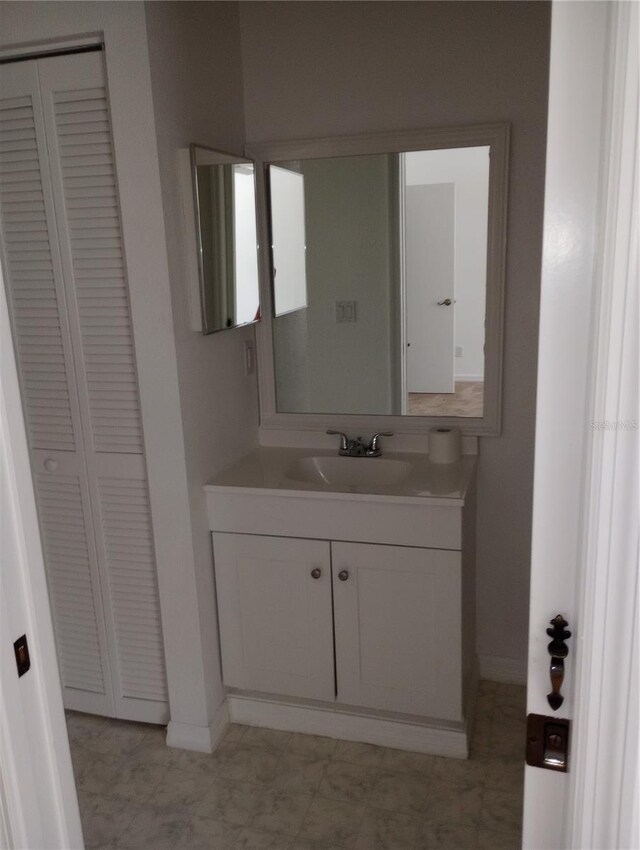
<point>345,311</point>
<point>458,351</point>
<point>249,358</point>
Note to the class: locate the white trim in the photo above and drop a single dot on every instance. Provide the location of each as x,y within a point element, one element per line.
<point>604,777</point>
<point>349,726</point>
<point>402,272</point>
<point>494,135</point>
<point>508,671</point>
<point>24,51</point>
<point>201,739</point>
<point>473,378</point>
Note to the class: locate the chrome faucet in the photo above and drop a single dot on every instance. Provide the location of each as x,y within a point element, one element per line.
<point>355,447</point>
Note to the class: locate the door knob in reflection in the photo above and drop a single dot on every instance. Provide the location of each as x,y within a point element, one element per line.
<point>343,575</point>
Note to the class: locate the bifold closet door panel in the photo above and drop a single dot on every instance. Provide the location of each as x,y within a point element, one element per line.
<point>34,281</point>
<point>85,191</point>
<point>97,367</point>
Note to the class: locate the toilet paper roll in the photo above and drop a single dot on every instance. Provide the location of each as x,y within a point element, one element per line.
<point>444,445</point>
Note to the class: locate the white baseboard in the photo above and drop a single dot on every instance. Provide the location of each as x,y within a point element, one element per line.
<point>508,671</point>
<point>476,379</point>
<point>349,726</point>
<point>202,739</point>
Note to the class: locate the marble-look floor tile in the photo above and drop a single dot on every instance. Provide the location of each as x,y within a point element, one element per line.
<point>349,783</point>
<point>501,811</point>
<point>447,837</point>
<point>136,781</point>
<point>153,749</point>
<point>400,792</point>
<point>97,772</point>
<point>280,811</point>
<point>382,830</point>
<point>365,755</point>
<point>299,773</point>
<point>250,839</point>
<point>403,761</point>
<point>450,804</point>
<point>82,729</point>
<point>261,765</point>
<point>502,774</point>
<point>105,820</point>
<point>288,791</point>
<point>156,828</point>
<point>120,739</point>
<point>332,822</point>
<point>208,763</point>
<point>270,739</point>
<point>313,746</point>
<point>489,840</point>
<point>207,834</point>
<point>234,733</point>
<point>181,789</point>
<point>234,802</point>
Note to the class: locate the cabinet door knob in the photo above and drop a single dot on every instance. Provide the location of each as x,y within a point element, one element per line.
<point>316,572</point>
<point>50,464</point>
<point>343,575</point>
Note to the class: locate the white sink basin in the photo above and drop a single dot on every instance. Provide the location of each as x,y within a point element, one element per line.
<point>354,474</point>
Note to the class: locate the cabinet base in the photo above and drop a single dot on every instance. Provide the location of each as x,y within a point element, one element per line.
<point>448,739</point>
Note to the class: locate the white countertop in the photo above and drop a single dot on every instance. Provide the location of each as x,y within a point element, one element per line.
<point>266,469</point>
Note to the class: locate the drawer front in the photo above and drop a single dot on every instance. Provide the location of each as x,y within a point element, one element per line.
<point>402,524</point>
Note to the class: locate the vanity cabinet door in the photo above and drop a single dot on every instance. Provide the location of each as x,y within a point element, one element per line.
<point>398,628</point>
<point>274,610</point>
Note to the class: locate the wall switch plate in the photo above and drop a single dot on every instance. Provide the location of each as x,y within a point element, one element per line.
<point>249,358</point>
<point>345,311</point>
<point>458,351</point>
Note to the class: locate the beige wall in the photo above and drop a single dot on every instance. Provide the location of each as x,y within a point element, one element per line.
<point>332,68</point>
<point>194,54</point>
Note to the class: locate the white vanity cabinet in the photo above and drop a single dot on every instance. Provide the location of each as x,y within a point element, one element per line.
<point>392,624</point>
<point>347,614</point>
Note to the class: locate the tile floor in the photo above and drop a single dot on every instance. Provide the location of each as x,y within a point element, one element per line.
<point>265,789</point>
<point>467,400</point>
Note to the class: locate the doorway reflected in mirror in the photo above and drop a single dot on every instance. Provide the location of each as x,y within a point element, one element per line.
<point>386,255</point>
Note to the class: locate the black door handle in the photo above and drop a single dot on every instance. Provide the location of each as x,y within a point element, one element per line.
<point>558,650</point>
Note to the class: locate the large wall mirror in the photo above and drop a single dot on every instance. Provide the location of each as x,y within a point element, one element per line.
<point>386,271</point>
<point>226,233</point>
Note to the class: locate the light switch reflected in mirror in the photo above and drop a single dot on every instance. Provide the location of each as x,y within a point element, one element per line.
<point>388,256</point>
<point>225,208</point>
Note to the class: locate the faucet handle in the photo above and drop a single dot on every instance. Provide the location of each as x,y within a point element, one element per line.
<point>344,440</point>
<point>374,446</point>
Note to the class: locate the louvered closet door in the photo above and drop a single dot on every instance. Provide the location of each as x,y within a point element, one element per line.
<point>76,122</point>
<point>33,274</point>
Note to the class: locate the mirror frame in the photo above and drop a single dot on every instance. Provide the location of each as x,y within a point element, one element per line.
<point>218,157</point>
<point>496,136</point>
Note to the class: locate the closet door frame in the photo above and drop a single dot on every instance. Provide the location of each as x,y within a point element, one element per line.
<point>195,689</point>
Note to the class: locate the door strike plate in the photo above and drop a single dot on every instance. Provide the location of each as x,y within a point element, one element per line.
<point>548,742</point>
